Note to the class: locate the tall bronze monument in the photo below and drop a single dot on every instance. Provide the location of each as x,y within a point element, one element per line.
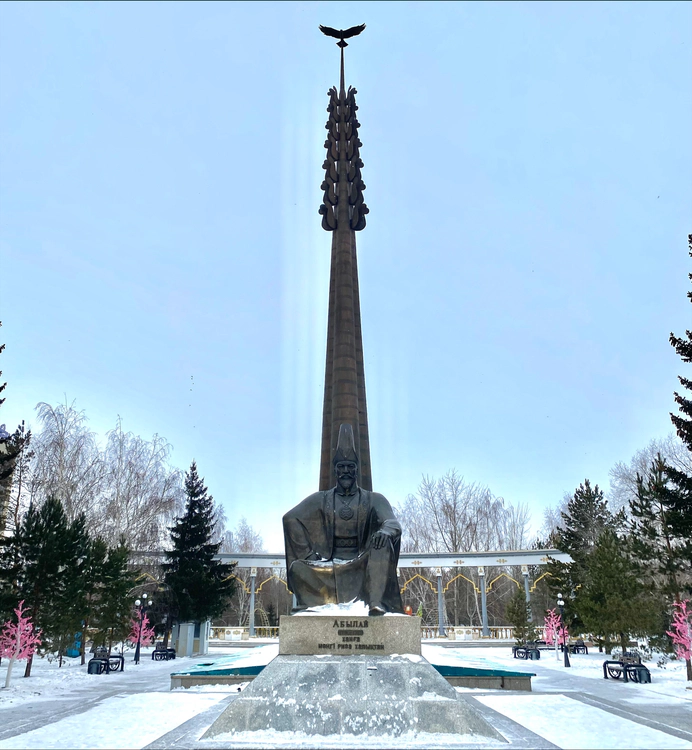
<point>342,542</point>
<point>338,675</point>
<point>343,213</point>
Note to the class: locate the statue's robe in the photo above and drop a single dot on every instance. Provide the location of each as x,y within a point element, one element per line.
<point>321,572</point>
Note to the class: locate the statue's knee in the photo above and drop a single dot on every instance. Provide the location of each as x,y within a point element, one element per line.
<point>385,552</point>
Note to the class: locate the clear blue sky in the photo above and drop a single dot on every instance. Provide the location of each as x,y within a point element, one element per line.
<point>528,175</point>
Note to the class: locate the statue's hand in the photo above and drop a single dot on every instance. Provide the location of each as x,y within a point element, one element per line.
<point>380,538</point>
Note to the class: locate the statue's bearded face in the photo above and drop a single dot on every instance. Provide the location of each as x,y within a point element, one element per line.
<point>346,472</point>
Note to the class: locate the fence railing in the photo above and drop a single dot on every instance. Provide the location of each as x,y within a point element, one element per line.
<point>475,633</point>
<point>239,633</point>
<point>453,632</point>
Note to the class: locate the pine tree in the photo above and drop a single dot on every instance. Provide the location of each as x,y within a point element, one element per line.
<point>15,455</point>
<point>107,582</point>
<point>612,602</point>
<point>681,483</point>
<point>272,617</point>
<point>518,614</point>
<point>11,448</point>
<point>70,602</point>
<point>14,452</point>
<point>201,583</point>
<point>659,531</point>
<point>50,552</point>
<point>586,518</point>
<point>683,346</point>
<point>110,615</point>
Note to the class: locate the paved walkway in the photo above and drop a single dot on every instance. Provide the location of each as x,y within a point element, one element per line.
<point>22,717</point>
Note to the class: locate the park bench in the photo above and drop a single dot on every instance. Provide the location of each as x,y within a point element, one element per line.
<point>575,648</point>
<point>579,647</point>
<point>541,646</point>
<point>161,653</point>
<point>629,667</point>
<point>529,651</point>
<point>102,661</point>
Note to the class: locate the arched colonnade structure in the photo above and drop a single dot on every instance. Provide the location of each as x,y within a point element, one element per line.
<point>410,565</point>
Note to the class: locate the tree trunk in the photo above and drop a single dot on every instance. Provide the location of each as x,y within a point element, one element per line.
<point>29,662</point>
<point>82,648</point>
<point>13,658</point>
<point>688,662</point>
<point>10,664</point>
<point>623,643</point>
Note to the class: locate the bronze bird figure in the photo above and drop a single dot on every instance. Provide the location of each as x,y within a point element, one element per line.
<point>342,34</point>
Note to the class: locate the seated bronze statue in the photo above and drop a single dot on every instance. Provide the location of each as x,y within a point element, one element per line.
<point>343,544</point>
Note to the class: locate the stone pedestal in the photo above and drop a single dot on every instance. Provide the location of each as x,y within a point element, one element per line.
<point>351,695</point>
<point>349,636</point>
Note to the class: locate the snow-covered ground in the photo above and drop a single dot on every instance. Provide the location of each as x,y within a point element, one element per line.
<point>68,708</point>
<point>566,723</point>
<point>572,708</point>
<point>122,721</point>
<point>668,682</point>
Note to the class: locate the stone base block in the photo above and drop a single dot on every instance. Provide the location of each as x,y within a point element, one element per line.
<point>193,680</point>
<point>349,636</point>
<point>491,682</point>
<point>354,695</point>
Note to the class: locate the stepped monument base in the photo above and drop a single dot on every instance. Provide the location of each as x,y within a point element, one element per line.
<point>392,693</point>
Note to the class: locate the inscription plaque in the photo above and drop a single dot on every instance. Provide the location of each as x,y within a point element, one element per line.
<point>322,634</point>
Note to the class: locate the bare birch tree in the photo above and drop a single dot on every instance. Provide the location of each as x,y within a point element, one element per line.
<point>623,476</point>
<point>242,539</point>
<point>552,519</point>
<point>67,461</point>
<point>142,494</point>
<point>452,515</point>
<point>127,489</point>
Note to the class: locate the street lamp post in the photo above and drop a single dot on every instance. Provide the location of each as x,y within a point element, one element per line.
<point>141,605</point>
<point>565,647</point>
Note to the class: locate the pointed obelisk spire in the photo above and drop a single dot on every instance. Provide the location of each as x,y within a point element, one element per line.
<point>343,213</point>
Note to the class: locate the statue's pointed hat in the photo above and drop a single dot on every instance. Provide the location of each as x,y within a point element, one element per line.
<point>345,447</point>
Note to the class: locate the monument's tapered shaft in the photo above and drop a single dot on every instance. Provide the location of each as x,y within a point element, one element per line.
<point>343,214</point>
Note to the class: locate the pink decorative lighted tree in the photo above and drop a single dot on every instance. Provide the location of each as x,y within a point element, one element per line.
<point>148,634</point>
<point>18,641</point>
<point>552,625</point>
<point>682,633</point>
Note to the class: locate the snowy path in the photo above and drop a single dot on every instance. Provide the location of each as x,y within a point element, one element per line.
<point>122,721</point>
<point>69,708</point>
<point>663,705</point>
<point>569,724</point>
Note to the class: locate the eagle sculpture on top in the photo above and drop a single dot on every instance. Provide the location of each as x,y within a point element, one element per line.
<point>342,34</point>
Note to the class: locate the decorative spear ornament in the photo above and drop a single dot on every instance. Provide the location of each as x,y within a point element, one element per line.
<point>343,163</point>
